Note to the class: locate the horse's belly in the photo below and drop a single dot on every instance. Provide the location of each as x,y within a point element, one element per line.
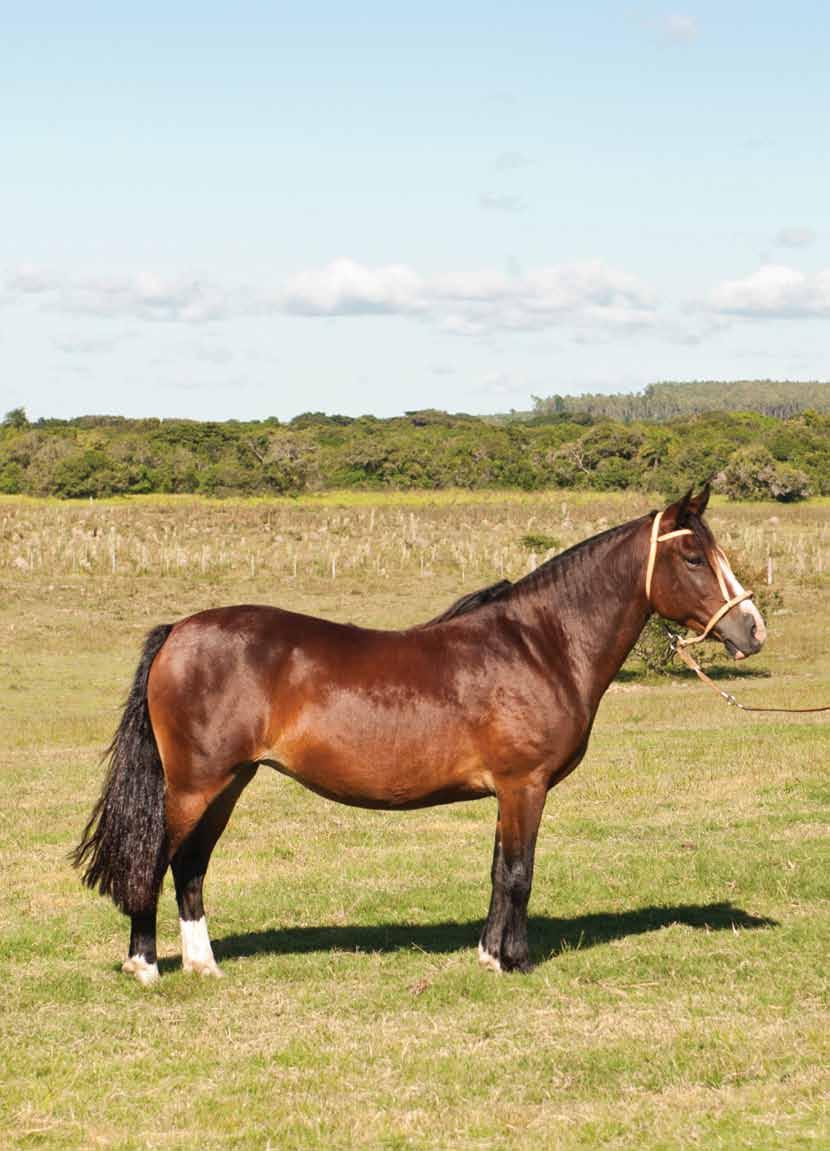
<point>393,774</point>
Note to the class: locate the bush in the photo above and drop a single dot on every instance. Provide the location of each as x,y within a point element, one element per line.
<point>16,418</point>
<point>540,542</point>
<point>83,474</point>
<point>12,478</point>
<point>754,474</point>
<point>654,647</point>
<point>788,484</point>
<point>756,456</point>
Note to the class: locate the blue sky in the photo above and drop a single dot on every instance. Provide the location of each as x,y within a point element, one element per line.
<point>258,209</point>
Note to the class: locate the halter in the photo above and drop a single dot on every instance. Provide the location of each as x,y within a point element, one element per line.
<point>730,602</point>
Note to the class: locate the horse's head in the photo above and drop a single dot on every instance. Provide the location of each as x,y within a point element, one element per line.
<point>689,580</point>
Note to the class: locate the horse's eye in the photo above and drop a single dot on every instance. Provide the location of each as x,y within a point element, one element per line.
<point>694,561</point>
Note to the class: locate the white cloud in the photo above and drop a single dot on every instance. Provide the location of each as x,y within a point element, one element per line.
<point>29,281</point>
<point>469,303</point>
<point>511,161</point>
<point>502,96</point>
<point>795,237</point>
<point>80,346</point>
<point>344,287</point>
<point>665,24</point>
<point>680,26</point>
<point>458,325</point>
<point>498,384</point>
<point>589,296</point>
<point>774,290</point>
<point>146,296</point>
<point>500,202</point>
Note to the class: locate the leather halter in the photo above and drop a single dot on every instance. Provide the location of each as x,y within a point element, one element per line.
<point>678,643</point>
<point>730,602</point>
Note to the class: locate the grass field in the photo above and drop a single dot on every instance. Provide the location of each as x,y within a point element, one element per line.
<point>679,920</point>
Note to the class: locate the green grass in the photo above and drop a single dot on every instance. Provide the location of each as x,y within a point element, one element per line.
<point>679,920</point>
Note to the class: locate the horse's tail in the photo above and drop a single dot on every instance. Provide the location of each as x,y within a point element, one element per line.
<point>123,847</point>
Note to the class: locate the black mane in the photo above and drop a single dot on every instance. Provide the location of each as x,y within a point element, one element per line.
<point>563,560</point>
<point>502,588</point>
<point>471,601</point>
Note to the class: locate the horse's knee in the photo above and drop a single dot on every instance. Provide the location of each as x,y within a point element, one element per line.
<point>517,880</point>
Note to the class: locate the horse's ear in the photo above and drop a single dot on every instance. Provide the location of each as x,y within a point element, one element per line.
<point>676,514</point>
<point>697,504</point>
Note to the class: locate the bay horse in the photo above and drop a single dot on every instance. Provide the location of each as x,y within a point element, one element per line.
<point>495,697</point>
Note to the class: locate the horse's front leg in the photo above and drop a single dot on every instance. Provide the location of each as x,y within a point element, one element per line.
<point>503,944</point>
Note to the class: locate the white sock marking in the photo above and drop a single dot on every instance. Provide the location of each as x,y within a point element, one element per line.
<point>146,973</point>
<point>197,953</point>
<point>488,960</point>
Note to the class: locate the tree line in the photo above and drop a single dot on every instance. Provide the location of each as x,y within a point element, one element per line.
<point>671,401</point>
<point>749,454</point>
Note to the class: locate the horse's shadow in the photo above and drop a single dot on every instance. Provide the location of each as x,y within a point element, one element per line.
<point>549,936</point>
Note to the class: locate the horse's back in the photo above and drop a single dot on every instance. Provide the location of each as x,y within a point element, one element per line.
<point>373,717</point>
<point>226,665</point>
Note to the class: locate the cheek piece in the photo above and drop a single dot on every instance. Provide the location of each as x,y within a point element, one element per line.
<point>730,602</point>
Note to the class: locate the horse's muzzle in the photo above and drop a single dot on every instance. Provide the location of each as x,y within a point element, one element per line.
<point>743,635</point>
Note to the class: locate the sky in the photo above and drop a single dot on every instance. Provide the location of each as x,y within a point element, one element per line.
<point>258,209</point>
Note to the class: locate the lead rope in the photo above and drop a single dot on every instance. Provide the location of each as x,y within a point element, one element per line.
<point>679,645</point>
<point>692,663</point>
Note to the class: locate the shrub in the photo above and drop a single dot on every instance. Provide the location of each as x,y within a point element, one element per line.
<point>539,542</point>
<point>12,478</point>
<point>16,418</point>
<point>754,474</point>
<point>82,474</point>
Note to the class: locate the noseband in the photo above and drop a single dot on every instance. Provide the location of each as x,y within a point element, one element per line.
<point>729,603</point>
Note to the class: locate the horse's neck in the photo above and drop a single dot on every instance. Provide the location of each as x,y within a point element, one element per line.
<point>594,608</point>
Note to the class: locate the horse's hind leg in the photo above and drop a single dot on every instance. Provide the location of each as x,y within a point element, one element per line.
<point>189,865</point>
<point>141,961</point>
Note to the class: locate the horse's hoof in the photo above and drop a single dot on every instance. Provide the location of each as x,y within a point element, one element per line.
<point>210,970</point>
<point>519,966</point>
<point>491,962</point>
<point>146,973</point>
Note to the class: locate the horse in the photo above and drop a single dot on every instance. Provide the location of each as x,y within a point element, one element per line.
<point>495,697</point>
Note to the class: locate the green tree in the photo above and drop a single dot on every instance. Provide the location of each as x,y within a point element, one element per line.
<point>16,418</point>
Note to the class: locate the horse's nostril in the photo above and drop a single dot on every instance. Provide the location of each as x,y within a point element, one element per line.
<point>757,634</point>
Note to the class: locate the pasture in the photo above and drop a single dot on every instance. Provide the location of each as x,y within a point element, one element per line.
<point>679,918</point>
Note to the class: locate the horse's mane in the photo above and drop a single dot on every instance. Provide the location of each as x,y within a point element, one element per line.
<point>556,565</point>
<point>471,601</point>
<point>497,591</point>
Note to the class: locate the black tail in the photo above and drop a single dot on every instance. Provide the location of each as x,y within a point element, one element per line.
<point>122,848</point>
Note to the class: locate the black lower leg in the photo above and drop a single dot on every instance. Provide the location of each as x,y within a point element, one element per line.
<point>143,935</point>
<point>491,934</point>
<point>189,866</point>
<point>514,951</point>
<point>504,938</point>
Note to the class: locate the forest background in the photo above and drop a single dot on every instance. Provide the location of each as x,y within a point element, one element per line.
<point>756,439</point>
